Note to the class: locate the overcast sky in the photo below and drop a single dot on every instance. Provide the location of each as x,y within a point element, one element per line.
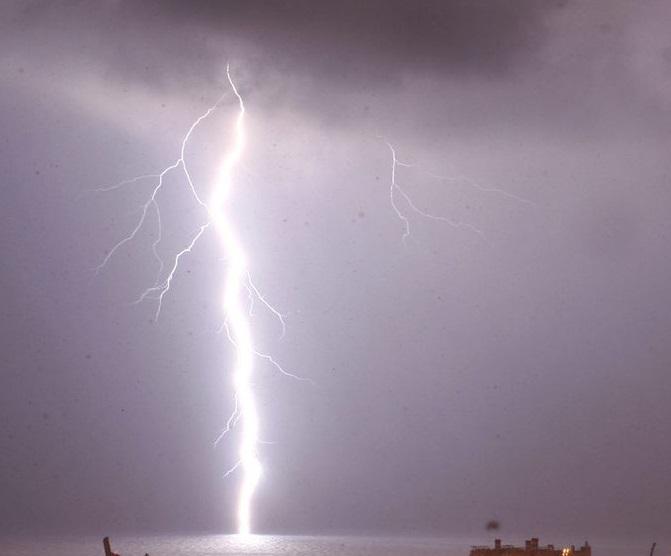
<point>520,374</point>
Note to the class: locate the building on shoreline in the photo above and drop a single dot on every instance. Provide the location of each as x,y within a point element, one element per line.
<point>531,548</point>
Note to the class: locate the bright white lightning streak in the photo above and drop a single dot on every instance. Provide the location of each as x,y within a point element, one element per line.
<point>237,279</point>
<point>237,322</point>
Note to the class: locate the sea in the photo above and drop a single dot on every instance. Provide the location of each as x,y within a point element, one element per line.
<point>233,545</point>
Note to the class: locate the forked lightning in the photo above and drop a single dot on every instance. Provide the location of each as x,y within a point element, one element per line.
<point>238,285</point>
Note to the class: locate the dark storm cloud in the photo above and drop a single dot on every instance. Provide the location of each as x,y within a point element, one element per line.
<point>550,63</point>
<point>352,42</point>
<point>553,62</point>
<point>372,39</point>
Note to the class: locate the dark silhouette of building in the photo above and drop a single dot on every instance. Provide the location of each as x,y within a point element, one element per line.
<point>531,548</point>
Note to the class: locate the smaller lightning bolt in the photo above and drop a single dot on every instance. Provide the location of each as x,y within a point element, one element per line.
<point>395,188</point>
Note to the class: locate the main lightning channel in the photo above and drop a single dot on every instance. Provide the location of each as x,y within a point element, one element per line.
<point>238,286</point>
<point>237,321</point>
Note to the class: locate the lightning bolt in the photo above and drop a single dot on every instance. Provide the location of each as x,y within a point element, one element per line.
<point>237,281</point>
<point>238,284</point>
<point>396,190</point>
<point>237,322</point>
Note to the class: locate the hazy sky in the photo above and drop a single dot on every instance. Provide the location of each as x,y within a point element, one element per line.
<point>521,375</point>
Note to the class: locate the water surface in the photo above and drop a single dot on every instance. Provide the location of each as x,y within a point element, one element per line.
<point>210,545</point>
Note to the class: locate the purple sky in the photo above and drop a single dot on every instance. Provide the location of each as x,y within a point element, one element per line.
<point>523,376</point>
